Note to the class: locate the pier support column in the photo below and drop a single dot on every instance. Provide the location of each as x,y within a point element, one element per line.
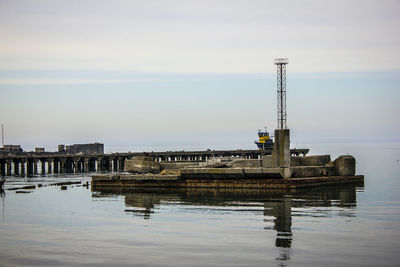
<point>63,166</point>
<point>35,167</point>
<point>2,169</point>
<point>86,165</point>
<point>75,168</point>
<point>29,167</point>
<point>56,166</point>
<point>281,152</point>
<point>16,167</point>
<point>121,164</point>
<point>115,164</point>
<point>110,164</point>
<point>23,168</point>
<point>49,163</point>
<point>8,166</point>
<point>99,164</point>
<point>43,162</point>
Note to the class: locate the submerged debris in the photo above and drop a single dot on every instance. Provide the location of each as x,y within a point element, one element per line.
<point>23,187</point>
<point>23,192</point>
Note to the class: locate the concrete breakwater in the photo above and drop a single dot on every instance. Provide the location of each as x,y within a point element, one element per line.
<point>278,170</point>
<point>29,163</point>
<point>233,173</point>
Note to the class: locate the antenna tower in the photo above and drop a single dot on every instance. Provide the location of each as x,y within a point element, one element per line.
<point>281,83</point>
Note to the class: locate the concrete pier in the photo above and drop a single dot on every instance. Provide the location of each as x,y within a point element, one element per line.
<point>236,173</point>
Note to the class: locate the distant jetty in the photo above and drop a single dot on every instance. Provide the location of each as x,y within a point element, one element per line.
<point>88,160</point>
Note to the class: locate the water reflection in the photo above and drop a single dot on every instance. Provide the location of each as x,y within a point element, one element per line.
<point>277,207</point>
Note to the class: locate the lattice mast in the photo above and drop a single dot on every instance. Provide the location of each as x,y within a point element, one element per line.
<point>281,84</point>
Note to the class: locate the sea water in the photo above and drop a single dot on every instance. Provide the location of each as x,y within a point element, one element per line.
<point>348,225</point>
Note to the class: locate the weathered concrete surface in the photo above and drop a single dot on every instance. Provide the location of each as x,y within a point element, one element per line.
<point>212,173</point>
<point>113,181</point>
<point>317,160</point>
<point>135,177</point>
<point>246,163</point>
<point>141,164</point>
<point>345,165</point>
<point>313,171</point>
<point>177,165</point>
<point>230,173</point>
<point>214,162</point>
<point>266,161</point>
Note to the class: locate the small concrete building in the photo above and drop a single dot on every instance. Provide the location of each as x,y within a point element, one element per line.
<point>13,149</point>
<point>39,149</point>
<point>95,148</point>
<point>61,148</point>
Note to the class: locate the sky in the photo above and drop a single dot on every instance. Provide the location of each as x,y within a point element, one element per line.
<point>155,75</point>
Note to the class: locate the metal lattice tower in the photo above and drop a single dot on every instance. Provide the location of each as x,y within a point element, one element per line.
<point>281,83</point>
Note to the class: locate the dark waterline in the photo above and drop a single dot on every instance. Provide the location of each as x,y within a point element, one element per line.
<point>352,225</point>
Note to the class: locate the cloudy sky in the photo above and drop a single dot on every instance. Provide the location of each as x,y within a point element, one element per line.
<point>182,74</point>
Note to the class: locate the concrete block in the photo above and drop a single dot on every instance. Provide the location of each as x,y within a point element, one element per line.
<point>312,171</point>
<point>318,160</point>
<point>141,164</point>
<point>345,166</point>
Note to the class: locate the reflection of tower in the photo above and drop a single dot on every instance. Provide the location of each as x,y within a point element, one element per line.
<point>281,84</point>
<point>281,209</point>
<point>142,202</point>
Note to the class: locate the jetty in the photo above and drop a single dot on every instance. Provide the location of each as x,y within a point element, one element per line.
<point>31,163</point>
<point>280,170</point>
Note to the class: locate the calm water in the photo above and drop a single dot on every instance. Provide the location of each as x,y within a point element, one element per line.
<point>353,225</point>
